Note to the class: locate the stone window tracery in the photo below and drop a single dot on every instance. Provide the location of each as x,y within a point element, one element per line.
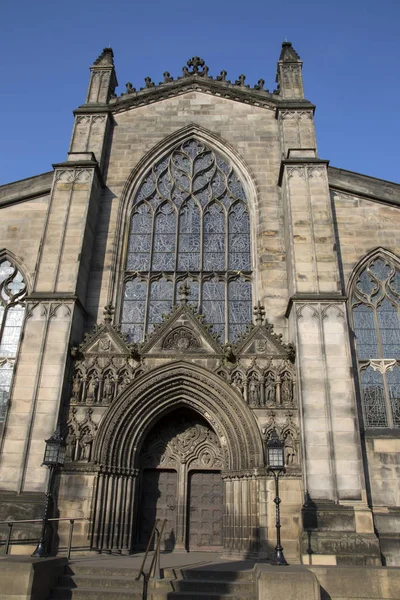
<point>12,309</point>
<point>376,312</point>
<point>190,223</point>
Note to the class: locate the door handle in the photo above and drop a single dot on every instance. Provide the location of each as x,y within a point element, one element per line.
<point>171,507</point>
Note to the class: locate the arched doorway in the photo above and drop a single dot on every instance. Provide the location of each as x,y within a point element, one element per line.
<point>142,409</point>
<point>180,480</point>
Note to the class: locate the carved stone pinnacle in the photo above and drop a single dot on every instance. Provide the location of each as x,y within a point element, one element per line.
<point>259,312</point>
<point>184,291</point>
<point>108,313</point>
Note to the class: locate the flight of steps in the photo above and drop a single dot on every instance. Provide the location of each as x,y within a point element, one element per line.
<point>97,583</point>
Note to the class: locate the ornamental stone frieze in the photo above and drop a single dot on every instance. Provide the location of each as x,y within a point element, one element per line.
<point>105,364</point>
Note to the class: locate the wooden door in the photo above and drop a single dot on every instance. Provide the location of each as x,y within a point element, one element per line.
<point>205,511</point>
<point>158,501</point>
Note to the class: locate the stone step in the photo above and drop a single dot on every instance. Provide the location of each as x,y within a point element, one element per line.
<point>81,569</point>
<point>100,580</point>
<point>208,596</point>
<point>66,593</point>
<point>244,588</point>
<point>221,575</point>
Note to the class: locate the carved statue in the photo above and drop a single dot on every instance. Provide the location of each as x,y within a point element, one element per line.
<point>92,389</point>
<point>287,389</point>
<point>254,391</point>
<point>270,390</point>
<point>290,450</point>
<point>70,446</point>
<point>238,383</point>
<point>108,389</point>
<point>85,444</point>
<point>76,388</point>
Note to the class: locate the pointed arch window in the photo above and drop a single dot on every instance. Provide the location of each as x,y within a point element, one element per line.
<point>12,309</point>
<point>376,319</point>
<point>190,223</point>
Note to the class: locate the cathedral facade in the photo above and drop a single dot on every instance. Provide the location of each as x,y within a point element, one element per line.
<point>193,280</point>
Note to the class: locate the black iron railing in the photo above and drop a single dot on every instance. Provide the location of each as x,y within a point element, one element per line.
<point>10,542</point>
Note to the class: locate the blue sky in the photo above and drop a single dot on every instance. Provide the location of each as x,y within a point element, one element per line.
<point>350,51</point>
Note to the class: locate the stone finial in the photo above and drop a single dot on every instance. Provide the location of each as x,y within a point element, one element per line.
<point>240,81</point>
<point>260,85</point>
<point>148,82</point>
<point>288,53</point>
<point>195,63</point>
<point>259,313</point>
<point>167,77</point>
<point>288,75</point>
<point>105,59</point>
<point>129,88</point>
<point>222,76</point>
<point>184,291</point>
<point>108,313</point>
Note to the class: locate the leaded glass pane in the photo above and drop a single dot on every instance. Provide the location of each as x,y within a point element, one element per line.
<point>374,398</point>
<point>140,239</point>
<point>175,212</point>
<point>213,306</point>
<point>388,320</point>
<point>189,237</point>
<point>12,330</point>
<point>160,300</point>
<point>239,307</point>
<point>164,239</point>
<point>5,270</point>
<point>6,372</point>
<point>214,239</point>
<point>364,328</point>
<point>12,289</point>
<point>366,284</point>
<point>380,269</point>
<point>393,381</point>
<point>239,239</point>
<point>134,309</point>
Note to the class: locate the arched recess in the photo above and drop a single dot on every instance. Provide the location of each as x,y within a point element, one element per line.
<point>126,425</point>
<point>374,305</point>
<point>159,151</point>
<point>374,254</point>
<point>124,430</point>
<point>13,289</point>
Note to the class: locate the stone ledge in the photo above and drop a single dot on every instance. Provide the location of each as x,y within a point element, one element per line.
<point>27,578</point>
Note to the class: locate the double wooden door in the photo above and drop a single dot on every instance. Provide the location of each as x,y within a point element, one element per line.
<point>194,521</point>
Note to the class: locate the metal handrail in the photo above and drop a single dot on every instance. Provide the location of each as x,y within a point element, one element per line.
<point>12,522</point>
<point>156,557</point>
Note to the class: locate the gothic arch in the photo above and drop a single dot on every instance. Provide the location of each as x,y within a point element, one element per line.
<point>6,254</point>
<point>373,254</point>
<point>163,148</point>
<point>160,391</point>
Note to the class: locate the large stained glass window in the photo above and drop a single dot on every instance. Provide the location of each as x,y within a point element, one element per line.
<point>376,312</point>
<point>190,223</point>
<point>12,291</point>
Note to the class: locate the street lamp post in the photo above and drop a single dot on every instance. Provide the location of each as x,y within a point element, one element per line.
<point>276,466</point>
<point>54,456</point>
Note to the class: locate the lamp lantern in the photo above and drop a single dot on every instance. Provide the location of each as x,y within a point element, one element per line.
<point>276,466</point>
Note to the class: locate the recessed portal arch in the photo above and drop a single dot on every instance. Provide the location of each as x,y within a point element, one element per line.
<point>175,389</point>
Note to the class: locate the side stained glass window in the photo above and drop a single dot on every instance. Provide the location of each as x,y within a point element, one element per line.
<point>190,222</point>
<point>12,309</point>
<point>376,319</point>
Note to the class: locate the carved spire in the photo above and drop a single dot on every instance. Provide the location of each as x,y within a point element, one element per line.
<point>288,74</point>
<point>108,313</point>
<point>259,313</point>
<point>103,79</point>
<point>105,58</point>
<point>184,292</point>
